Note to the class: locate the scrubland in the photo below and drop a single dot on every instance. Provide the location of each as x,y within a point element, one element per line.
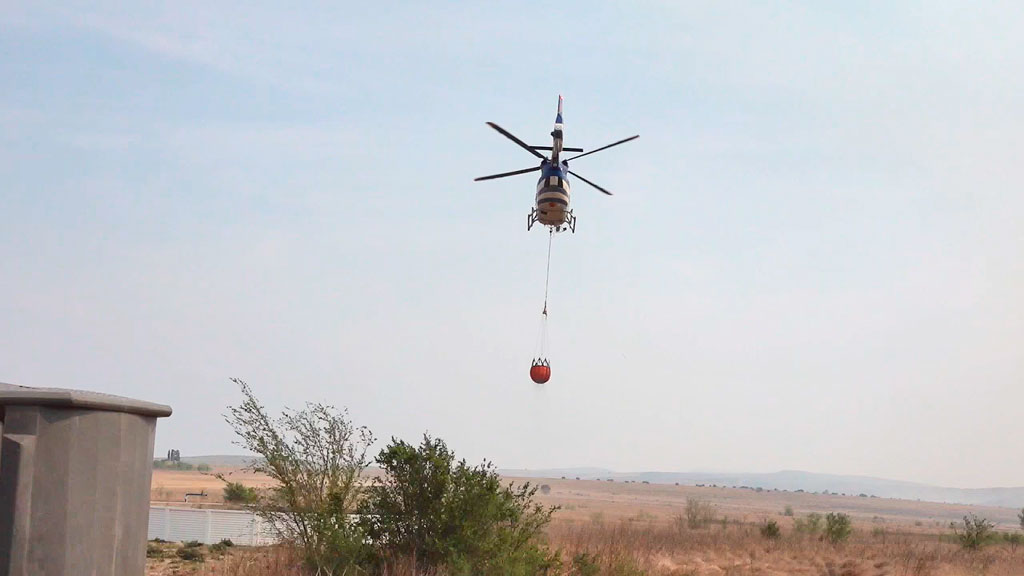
<point>632,548</point>
<point>618,529</point>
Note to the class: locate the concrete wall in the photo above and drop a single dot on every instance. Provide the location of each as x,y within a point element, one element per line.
<point>74,486</point>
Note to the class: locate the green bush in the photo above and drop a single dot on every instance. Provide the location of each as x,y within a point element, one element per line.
<point>227,543</point>
<point>154,551</point>
<point>238,493</point>
<point>439,513</point>
<point>203,467</point>
<point>1014,540</point>
<point>192,544</point>
<point>218,548</point>
<point>974,532</point>
<point>838,527</point>
<point>788,511</point>
<point>811,524</point>
<point>770,529</point>
<point>191,554</point>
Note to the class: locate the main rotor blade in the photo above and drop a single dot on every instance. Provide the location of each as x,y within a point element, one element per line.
<point>509,135</point>
<point>591,183</point>
<point>503,174</point>
<point>603,148</point>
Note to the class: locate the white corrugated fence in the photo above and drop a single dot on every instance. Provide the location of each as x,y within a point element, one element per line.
<point>209,526</point>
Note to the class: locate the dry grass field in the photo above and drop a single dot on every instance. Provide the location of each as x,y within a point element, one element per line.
<point>632,529</point>
<point>170,486</point>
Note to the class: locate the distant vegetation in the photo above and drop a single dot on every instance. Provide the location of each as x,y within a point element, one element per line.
<point>174,465</point>
<point>238,493</point>
<point>810,524</point>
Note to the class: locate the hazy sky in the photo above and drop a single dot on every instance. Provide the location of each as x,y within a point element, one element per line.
<point>813,259</point>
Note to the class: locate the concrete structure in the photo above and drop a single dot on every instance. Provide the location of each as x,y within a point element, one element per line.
<point>75,473</point>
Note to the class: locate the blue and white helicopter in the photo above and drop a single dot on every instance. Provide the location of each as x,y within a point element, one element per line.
<point>552,201</point>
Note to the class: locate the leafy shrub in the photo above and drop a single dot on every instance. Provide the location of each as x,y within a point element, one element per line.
<point>545,489</point>
<point>191,554</point>
<point>203,467</point>
<point>770,529</point>
<point>838,527</point>
<point>428,508</point>
<point>975,532</point>
<point>218,548</point>
<point>238,493</point>
<point>1021,518</point>
<point>154,551</point>
<point>192,544</point>
<point>227,543</point>
<point>788,511</point>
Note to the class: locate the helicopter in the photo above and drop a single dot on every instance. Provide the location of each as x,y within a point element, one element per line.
<point>552,201</point>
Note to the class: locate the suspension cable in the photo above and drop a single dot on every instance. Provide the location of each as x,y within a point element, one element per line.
<point>547,275</point>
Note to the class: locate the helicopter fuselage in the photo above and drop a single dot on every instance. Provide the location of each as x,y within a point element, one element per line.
<point>552,201</point>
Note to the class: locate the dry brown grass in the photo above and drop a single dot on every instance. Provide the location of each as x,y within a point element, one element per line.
<point>235,561</point>
<point>170,486</point>
<point>629,529</point>
<point>625,548</point>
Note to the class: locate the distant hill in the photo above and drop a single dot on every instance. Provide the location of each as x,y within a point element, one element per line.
<point>794,480</point>
<point>789,480</point>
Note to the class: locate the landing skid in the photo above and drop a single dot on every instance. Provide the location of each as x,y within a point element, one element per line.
<point>568,224</point>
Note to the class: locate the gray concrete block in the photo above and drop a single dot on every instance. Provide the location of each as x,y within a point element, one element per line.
<point>75,474</point>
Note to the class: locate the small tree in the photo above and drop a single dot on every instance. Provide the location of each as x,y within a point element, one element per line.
<point>787,511</point>
<point>1021,518</point>
<point>838,527</point>
<point>975,532</point>
<point>315,457</point>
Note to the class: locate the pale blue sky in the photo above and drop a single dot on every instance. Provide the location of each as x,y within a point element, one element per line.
<point>813,259</point>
